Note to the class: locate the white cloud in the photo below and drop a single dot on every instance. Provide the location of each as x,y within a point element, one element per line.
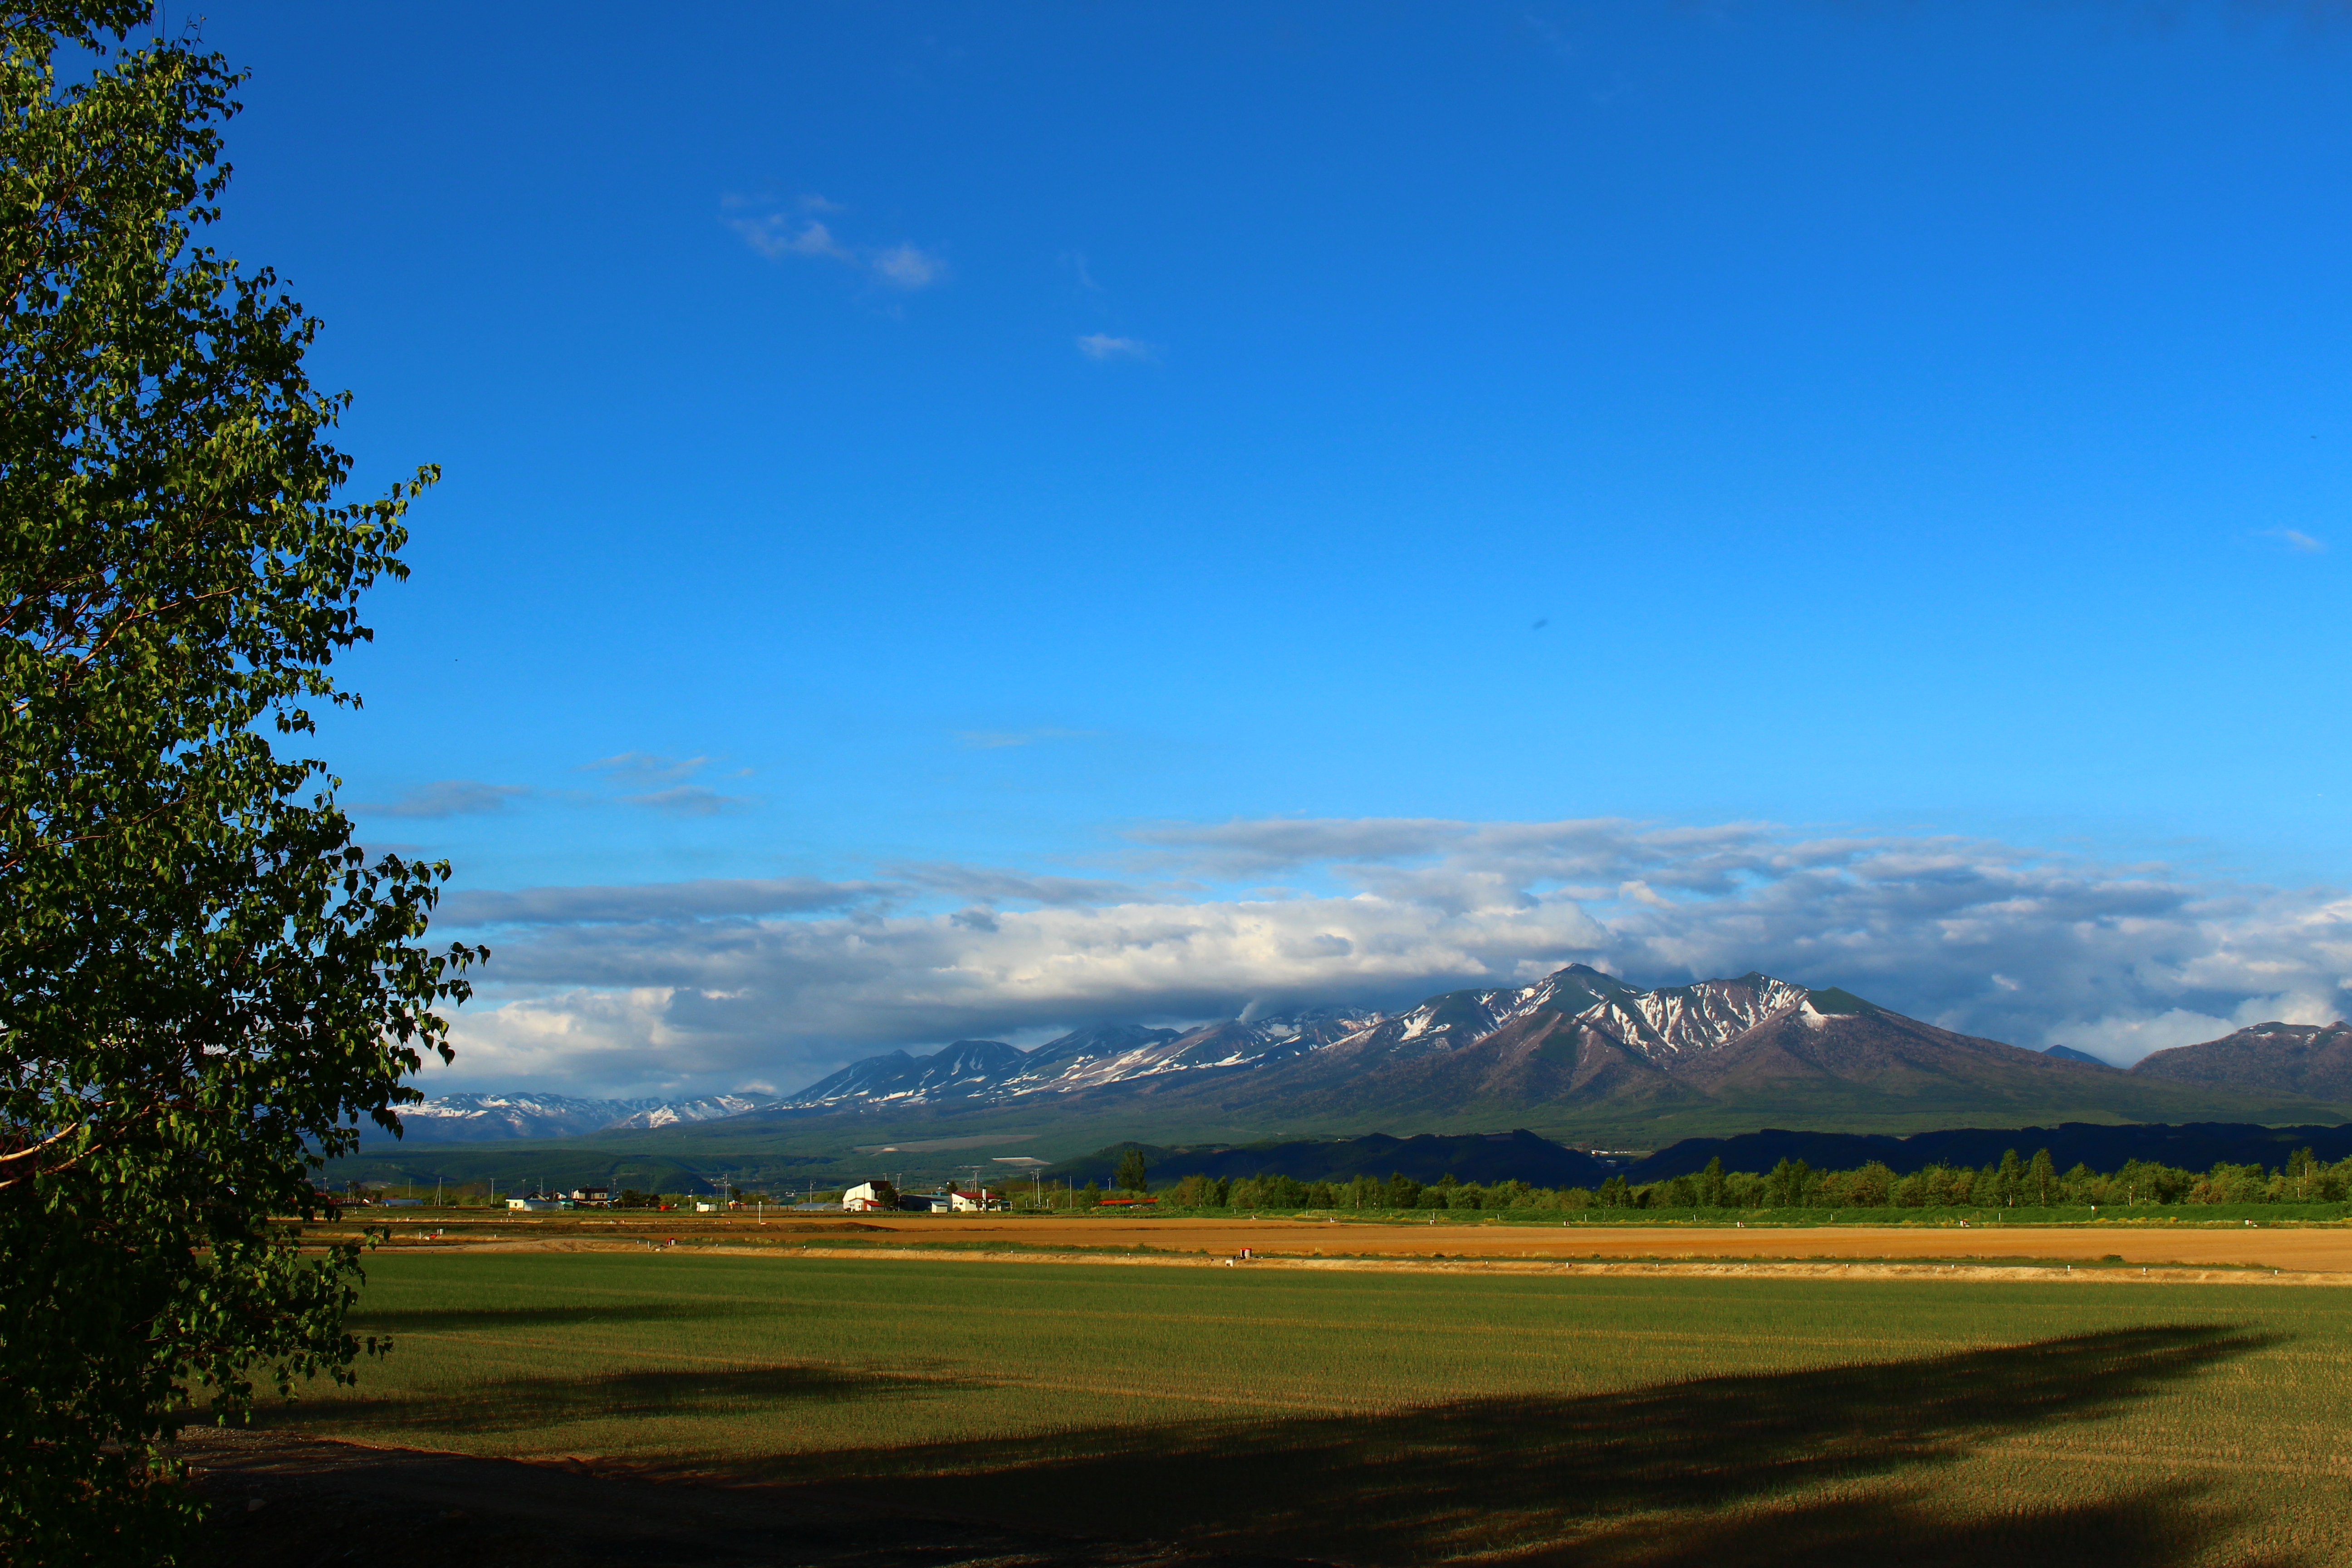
<point>445,797</point>
<point>997,740</point>
<point>688,800</point>
<point>775,237</point>
<point>645,768</point>
<point>1102,345</point>
<point>704,900</point>
<point>781,236</point>
<point>1988,937</point>
<point>2295,539</point>
<point>905,267</point>
<point>999,886</point>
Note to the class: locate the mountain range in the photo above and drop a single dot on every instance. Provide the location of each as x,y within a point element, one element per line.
<point>2313,1059</point>
<point>494,1118</point>
<point>1580,1046</point>
<point>1580,1056</point>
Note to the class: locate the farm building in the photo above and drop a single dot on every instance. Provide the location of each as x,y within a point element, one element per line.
<point>950,1202</point>
<point>867,1196</point>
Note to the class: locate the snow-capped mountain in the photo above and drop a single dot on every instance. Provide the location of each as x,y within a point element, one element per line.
<point>1576,1038</point>
<point>1578,1047</point>
<point>956,1073</point>
<point>2313,1059</point>
<point>485,1118</point>
<point>709,1108</point>
<point>1663,1026</point>
<point>1101,1056</point>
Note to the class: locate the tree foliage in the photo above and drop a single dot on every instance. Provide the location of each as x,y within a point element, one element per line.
<point>2008,1186</point>
<point>204,984</point>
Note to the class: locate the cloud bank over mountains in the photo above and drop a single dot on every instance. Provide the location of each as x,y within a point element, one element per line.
<point>769,983</point>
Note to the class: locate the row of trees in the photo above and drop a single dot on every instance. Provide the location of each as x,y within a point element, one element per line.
<point>2011,1182</point>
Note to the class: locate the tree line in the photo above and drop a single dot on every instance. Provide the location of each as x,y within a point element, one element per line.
<point>2011,1182</point>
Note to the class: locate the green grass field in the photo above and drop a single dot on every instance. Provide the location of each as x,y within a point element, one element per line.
<point>1401,1417</point>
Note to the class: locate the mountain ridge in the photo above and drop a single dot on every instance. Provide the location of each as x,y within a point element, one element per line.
<point>493,1118</point>
<point>1577,1035</point>
<point>1577,1053</point>
<point>2275,1058</point>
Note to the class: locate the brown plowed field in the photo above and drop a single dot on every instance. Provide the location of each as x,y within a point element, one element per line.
<point>2315,1246</point>
<point>2329,1248</point>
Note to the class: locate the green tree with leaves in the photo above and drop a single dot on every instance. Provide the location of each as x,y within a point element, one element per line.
<point>1710,1184</point>
<point>1131,1172</point>
<point>1785,1187</point>
<point>204,984</point>
<point>2042,1177</point>
<point>2008,1178</point>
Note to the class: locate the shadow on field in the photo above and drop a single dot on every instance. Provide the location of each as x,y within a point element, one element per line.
<point>1691,1473</point>
<point>526,1403</point>
<point>528,1317</point>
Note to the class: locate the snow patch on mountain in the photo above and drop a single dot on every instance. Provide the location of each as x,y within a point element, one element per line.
<point>483,1118</point>
<point>1666,1025</point>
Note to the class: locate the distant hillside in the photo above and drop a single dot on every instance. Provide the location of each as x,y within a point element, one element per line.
<point>2305,1059</point>
<point>1483,1157</point>
<point>2195,1146</point>
<point>1493,1157</point>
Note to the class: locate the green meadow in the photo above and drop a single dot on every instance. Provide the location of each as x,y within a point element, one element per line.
<point>1406,1418</point>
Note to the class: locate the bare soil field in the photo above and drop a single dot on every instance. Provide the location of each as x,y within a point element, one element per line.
<point>2316,1247</point>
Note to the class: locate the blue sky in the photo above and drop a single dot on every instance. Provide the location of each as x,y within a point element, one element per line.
<point>939,498</point>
